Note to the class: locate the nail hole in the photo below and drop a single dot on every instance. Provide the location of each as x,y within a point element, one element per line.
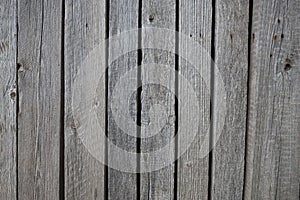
<point>18,66</point>
<point>13,95</point>
<point>282,36</point>
<point>287,67</point>
<point>271,55</point>
<point>190,35</point>
<point>151,18</point>
<point>278,21</point>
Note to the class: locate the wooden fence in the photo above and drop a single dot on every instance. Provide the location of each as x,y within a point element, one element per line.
<point>255,47</point>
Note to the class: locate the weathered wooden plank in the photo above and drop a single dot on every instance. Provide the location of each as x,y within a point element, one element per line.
<point>274,113</point>
<point>158,14</point>
<point>84,50</point>
<point>195,22</point>
<point>123,16</point>
<point>8,98</point>
<point>231,58</point>
<point>39,84</point>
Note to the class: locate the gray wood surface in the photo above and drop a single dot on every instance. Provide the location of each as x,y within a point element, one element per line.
<point>274,119</point>
<point>231,58</point>
<point>195,22</point>
<point>8,99</point>
<point>84,32</point>
<point>47,53</point>
<point>39,84</point>
<point>123,16</point>
<point>158,14</point>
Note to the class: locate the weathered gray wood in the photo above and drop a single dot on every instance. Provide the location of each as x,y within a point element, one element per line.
<point>123,16</point>
<point>39,84</point>
<point>273,132</point>
<point>8,96</point>
<point>158,14</point>
<point>84,32</point>
<point>231,58</point>
<point>272,168</point>
<point>195,22</point>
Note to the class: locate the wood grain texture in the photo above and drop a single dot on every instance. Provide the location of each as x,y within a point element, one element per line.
<point>123,16</point>
<point>231,58</point>
<point>195,22</point>
<point>34,41</point>
<point>84,35</point>
<point>39,84</point>
<point>158,14</point>
<point>8,99</point>
<point>273,140</point>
